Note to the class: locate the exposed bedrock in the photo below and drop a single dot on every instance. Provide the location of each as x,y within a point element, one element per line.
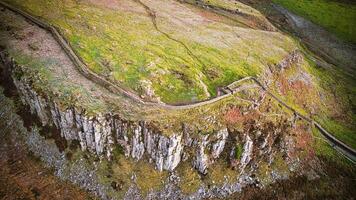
<point>102,133</point>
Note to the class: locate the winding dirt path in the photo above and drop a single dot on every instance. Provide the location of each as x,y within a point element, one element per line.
<point>116,89</point>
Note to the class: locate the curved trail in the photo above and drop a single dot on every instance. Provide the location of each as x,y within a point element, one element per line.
<point>341,147</point>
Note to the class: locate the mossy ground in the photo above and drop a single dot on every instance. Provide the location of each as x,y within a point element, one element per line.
<point>123,45</point>
<point>148,178</point>
<point>326,95</point>
<point>338,17</point>
<point>123,172</point>
<point>332,111</point>
<point>233,6</point>
<point>52,86</point>
<point>190,179</point>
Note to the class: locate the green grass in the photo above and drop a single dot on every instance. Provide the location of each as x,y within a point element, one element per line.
<point>45,82</point>
<point>340,131</point>
<point>323,149</point>
<point>233,6</point>
<point>337,17</point>
<point>238,151</point>
<point>339,97</point>
<point>124,47</point>
<point>330,98</point>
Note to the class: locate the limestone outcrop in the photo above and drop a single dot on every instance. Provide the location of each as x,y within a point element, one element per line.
<point>101,134</point>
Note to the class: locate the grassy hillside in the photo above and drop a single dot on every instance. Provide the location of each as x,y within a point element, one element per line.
<point>191,54</point>
<point>335,16</point>
<point>233,6</point>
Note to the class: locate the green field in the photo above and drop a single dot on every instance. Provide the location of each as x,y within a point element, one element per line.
<point>337,17</point>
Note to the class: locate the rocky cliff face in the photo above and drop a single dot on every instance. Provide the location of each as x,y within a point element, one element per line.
<point>102,133</point>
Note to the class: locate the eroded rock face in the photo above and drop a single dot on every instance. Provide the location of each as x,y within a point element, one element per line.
<point>209,148</point>
<point>219,145</point>
<point>202,159</point>
<point>247,152</point>
<point>168,152</point>
<point>102,133</point>
<point>215,144</point>
<point>138,146</point>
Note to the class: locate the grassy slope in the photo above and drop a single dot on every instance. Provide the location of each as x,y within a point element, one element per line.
<point>124,46</point>
<point>325,95</point>
<point>104,43</point>
<point>336,91</point>
<point>233,6</point>
<point>339,18</point>
<point>336,99</point>
<point>152,179</point>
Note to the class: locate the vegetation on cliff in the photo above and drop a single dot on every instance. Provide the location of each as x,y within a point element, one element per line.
<point>176,52</point>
